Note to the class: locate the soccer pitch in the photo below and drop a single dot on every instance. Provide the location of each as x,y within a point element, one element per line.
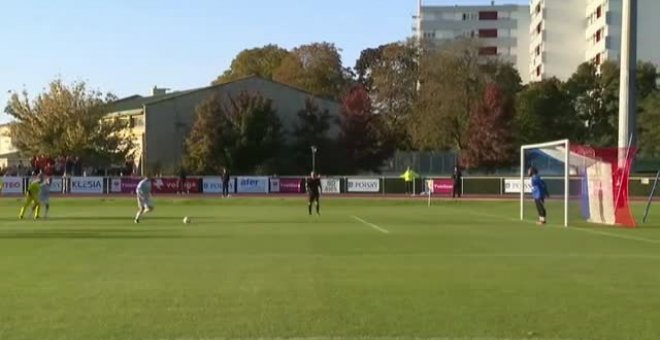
<point>262,268</point>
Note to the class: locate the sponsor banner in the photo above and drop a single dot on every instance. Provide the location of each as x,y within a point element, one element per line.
<point>213,185</point>
<point>512,186</point>
<point>442,186</point>
<point>275,185</point>
<point>127,185</point>
<point>331,185</point>
<point>252,185</point>
<point>115,185</point>
<point>363,185</point>
<point>170,185</point>
<point>56,185</point>
<point>86,185</point>
<point>290,186</point>
<point>12,185</point>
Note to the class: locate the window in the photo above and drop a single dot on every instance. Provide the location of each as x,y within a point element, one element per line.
<point>597,59</point>
<point>489,50</point>
<point>599,35</point>
<point>488,33</point>
<point>599,12</point>
<point>538,28</point>
<point>538,8</point>
<point>538,50</point>
<point>538,71</point>
<point>488,15</point>
<point>470,16</point>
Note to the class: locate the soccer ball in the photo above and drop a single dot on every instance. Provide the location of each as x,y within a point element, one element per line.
<point>186,220</point>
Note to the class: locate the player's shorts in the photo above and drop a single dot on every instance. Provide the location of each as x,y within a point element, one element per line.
<point>44,200</point>
<point>314,197</point>
<point>144,202</point>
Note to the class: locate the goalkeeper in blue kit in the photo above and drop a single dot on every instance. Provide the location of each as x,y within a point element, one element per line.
<point>540,193</point>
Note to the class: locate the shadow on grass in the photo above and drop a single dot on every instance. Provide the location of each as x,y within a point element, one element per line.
<point>107,234</point>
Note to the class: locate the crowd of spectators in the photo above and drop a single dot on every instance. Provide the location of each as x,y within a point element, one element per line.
<point>62,166</point>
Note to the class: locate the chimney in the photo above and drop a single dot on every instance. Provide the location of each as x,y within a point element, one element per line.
<point>158,91</point>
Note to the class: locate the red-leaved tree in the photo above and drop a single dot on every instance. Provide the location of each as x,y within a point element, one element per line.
<point>490,136</point>
<point>362,138</point>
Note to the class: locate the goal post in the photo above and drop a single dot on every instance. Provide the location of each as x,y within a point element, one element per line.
<point>594,181</point>
<point>559,149</point>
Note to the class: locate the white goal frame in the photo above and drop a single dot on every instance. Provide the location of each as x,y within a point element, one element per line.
<point>567,147</point>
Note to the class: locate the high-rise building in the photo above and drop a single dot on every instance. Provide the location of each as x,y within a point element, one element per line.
<point>565,34</point>
<point>557,33</point>
<point>501,30</point>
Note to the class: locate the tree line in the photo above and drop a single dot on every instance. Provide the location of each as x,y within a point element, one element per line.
<point>397,96</point>
<point>403,96</point>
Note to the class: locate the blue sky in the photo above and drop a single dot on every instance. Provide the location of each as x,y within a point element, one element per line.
<point>129,46</point>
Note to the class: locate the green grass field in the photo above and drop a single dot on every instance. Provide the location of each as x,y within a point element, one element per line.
<point>262,268</point>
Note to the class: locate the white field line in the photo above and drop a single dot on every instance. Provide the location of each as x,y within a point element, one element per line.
<point>585,230</point>
<point>382,230</point>
<point>531,337</point>
<point>620,236</point>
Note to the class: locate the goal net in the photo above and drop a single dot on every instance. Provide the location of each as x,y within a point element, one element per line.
<point>584,183</point>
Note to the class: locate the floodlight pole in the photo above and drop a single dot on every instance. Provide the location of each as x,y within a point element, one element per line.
<point>627,89</point>
<point>314,149</point>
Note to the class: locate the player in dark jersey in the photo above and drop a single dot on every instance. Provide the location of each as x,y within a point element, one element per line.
<point>313,184</point>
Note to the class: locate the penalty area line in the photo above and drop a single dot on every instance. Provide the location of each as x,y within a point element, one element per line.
<point>382,230</point>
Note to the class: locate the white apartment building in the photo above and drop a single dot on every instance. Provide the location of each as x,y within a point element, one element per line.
<point>501,30</point>
<point>556,31</point>
<point>565,34</point>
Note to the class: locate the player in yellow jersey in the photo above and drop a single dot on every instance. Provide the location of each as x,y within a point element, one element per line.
<point>32,197</point>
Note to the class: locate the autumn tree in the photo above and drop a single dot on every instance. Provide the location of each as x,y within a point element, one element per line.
<point>242,133</point>
<point>451,86</point>
<point>259,61</point>
<point>69,120</point>
<point>390,73</point>
<point>364,145</point>
<point>316,68</point>
<point>489,135</point>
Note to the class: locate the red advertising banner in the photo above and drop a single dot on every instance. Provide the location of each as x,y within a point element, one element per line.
<point>169,185</point>
<point>165,185</point>
<point>443,186</point>
<point>291,185</point>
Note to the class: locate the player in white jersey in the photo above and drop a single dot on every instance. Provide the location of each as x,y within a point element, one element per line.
<point>143,192</point>
<point>44,196</point>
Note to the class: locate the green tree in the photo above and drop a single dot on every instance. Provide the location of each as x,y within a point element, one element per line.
<point>649,126</point>
<point>69,120</point>
<point>545,112</point>
<point>316,68</point>
<point>363,143</point>
<point>208,146</point>
<point>310,130</point>
<point>595,96</point>
<point>242,133</point>
<point>259,61</point>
